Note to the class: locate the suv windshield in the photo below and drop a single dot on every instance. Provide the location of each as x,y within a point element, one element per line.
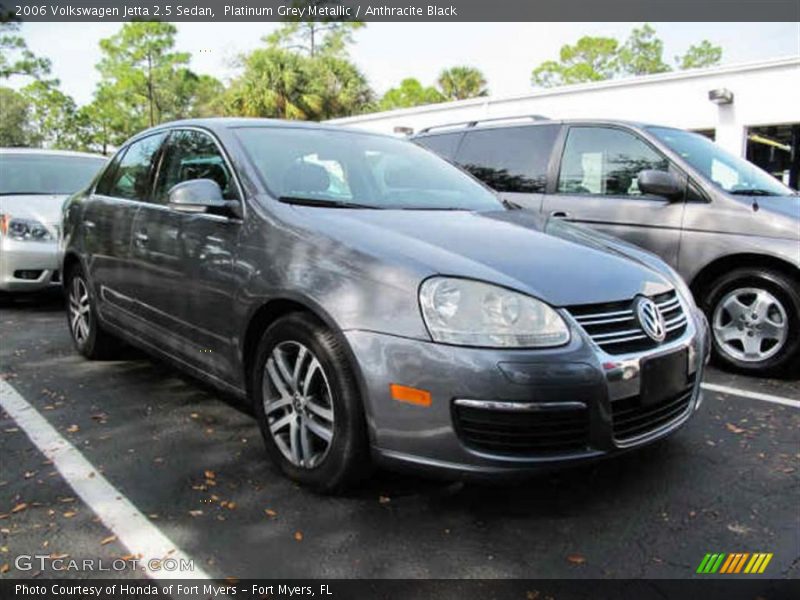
<point>353,170</point>
<point>46,174</point>
<point>731,173</point>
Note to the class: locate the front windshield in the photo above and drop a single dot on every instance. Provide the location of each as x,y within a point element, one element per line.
<point>343,168</point>
<point>730,173</point>
<point>46,174</point>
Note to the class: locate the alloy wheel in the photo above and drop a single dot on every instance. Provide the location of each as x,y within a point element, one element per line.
<point>298,404</point>
<point>750,324</point>
<point>80,310</point>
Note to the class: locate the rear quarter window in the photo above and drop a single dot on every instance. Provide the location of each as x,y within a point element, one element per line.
<point>509,159</point>
<point>445,145</point>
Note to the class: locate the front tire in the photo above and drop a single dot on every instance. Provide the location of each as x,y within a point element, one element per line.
<point>308,405</point>
<point>88,335</point>
<point>754,316</point>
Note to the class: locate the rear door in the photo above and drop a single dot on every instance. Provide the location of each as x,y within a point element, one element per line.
<point>597,186</point>
<point>107,224</point>
<point>510,160</point>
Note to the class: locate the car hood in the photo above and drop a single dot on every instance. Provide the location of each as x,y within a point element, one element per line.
<point>508,248</point>
<point>782,205</point>
<point>45,208</point>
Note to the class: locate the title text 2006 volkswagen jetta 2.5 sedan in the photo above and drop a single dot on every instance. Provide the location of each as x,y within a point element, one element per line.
<point>376,304</point>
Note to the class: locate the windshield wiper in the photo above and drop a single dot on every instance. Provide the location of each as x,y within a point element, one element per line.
<point>510,205</point>
<point>323,202</point>
<point>753,192</point>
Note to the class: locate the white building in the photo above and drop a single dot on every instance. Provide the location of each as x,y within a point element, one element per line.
<point>756,112</point>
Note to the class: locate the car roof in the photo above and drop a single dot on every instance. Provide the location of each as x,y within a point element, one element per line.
<point>514,122</point>
<point>215,124</point>
<point>43,152</point>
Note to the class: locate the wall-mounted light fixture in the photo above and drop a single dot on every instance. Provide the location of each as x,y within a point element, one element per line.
<point>721,96</point>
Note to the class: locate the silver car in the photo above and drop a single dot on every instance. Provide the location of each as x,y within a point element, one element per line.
<point>730,229</point>
<point>377,305</point>
<point>33,186</point>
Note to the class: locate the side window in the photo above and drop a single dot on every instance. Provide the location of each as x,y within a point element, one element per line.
<point>107,178</point>
<point>132,178</point>
<point>444,145</point>
<point>193,155</point>
<point>511,159</point>
<point>605,162</point>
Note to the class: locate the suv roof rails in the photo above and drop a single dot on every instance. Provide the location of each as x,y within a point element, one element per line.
<point>468,124</point>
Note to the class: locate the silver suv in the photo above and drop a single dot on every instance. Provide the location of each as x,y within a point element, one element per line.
<point>730,229</point>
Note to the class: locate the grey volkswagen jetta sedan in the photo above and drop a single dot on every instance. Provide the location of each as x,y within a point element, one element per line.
<point>376,304</point>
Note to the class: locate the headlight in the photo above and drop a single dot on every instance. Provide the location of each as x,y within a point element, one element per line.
<point>471,313</point>
<point>24,229</point>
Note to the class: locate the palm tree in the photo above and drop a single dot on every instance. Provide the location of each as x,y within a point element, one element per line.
<point>460,83</point>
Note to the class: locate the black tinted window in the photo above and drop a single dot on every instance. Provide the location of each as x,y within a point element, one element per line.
<point>107,178</point>
<point>132,178</point>
<point>30,173</point>
<point>606,162</point>
<point>511,159</point>
<point>444,145</point>
<point>193,155</point>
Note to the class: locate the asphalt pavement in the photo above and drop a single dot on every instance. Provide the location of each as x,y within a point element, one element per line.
<point>192,462</point>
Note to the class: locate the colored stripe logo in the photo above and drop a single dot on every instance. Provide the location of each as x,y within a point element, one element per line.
<point>738,562</point>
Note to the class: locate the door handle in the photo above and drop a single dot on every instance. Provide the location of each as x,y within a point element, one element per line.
<point>560,214</point>
<point>141,238</point>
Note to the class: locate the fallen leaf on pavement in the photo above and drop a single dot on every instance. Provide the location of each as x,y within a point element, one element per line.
<point>734,429</point>
<point>384,499</point>
<point>19,507</point>
<point>576,559</point>
<point>69,514</point>
<point>270,513</point>
<point>73,429</point>
<point>195,513</point>
<point>5,568</point>
<point>298,536</point>
<point>108,540</point>
<point>210,475</point>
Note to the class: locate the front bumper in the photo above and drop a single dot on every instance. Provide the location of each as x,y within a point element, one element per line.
<point>28,266</point>
<point>577,387</point>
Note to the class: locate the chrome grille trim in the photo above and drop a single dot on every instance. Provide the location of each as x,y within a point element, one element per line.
<point>614,328</point>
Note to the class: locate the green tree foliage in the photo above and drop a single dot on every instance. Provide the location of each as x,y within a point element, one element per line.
<point>16,58</point>
<point>600,58</point>
<point>590,59</point>
<point>642,53</point>
<point>409,93</point>
<point>460,83</point>
<point>704,54</point>
<point>14,113</point>
<point>303,73</point>
<point>52,116</point>
<point>327,35</point>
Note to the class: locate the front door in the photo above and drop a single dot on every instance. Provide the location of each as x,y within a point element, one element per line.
<point>187,259</point>
<point>597,186</point>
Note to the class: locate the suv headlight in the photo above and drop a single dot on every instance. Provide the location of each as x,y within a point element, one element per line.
<point>23,230</point>
<point>471,313</point>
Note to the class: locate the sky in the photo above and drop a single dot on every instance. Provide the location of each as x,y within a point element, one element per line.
<point>390,52</point>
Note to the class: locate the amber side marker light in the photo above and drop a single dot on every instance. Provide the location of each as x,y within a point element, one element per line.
<point>403,393</point>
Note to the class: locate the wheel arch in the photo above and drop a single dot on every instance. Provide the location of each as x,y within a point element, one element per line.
<point>269,311</point>
<point>712,271</point>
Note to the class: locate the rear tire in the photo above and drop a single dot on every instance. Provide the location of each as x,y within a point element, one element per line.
<point>754,317</point>
<point>308,405</point>
<point>88,335</point>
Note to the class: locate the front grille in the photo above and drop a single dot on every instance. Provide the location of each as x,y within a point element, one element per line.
<point>523,433</point>
<point>630,419</point>
<point>613,325</point>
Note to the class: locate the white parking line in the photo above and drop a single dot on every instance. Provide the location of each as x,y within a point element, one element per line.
<point>116,512</point>
<point>724,389</point>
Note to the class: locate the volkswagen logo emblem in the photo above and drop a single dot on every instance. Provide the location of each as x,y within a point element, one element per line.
<point>650,319</point>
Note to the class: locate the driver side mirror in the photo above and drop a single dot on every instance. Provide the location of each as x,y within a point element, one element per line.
<point>660,183</point>
<point>202,196</point>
